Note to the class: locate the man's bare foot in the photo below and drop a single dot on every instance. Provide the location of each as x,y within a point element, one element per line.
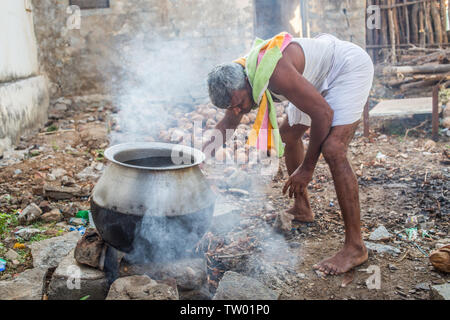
<point>346,259</point>
<point>301,213</point>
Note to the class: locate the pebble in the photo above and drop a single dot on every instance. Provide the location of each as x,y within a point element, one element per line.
<point>238,192</point>
<point>380,233</point>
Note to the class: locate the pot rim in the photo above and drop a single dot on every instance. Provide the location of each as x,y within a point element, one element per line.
<point>112,151</point>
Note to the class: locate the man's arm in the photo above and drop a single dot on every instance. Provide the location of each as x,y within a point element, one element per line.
<point>287,81</point>
<point>229,121</point>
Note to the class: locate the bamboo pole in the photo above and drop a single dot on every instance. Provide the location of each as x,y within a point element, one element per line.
<point>392,33</point>
<point>370,34</point>
<point>415,23</point>
<point>406,15</point>
<point>437,23</point>
<point>435,114</point>
<point>443,15</point>
<point>421,25</point>
<point>396,24</point>
<point>428,26</point>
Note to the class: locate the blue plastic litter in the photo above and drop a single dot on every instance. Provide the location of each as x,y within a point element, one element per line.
<point>2,265</point>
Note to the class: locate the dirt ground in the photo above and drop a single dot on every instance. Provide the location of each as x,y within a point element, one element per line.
<point>398,177</point>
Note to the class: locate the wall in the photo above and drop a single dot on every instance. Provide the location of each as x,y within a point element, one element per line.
<point>23,92</point>
<point>18,54</point>
<point>272,17</point>
<point>327,16</point>
<point>137,40</point>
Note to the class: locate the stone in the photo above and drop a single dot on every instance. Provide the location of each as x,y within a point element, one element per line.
<point>440,292</point>
<point>235,286</point>
<point>283,222</point>
<point>189,274</point>
<point>202,293</point>
<point>422,286</point>
<point>67,181</point>
<point>28,285</point>
<point>11,255</point>
<point>27,233</point>
<point>88,173</point>
<point>53,216</point>
<point>141,288</point>
<point>58,172</point>
<point>446,122</point>
<point>63,193</point>
<point>380,233</point>
<point>429,145</point>
<point>89,249</point>
<point>381,248</point>
<point>73,281</point>
<point>238,192</point>
<point>440,259</point>
<point>30,214</point>
<point>49,253</point>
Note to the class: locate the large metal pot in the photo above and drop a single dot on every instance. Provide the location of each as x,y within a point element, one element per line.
<point>152,201</point>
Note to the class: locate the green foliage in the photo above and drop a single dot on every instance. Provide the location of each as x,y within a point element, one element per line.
<point>7,221</point>
<point>444,96</point>
<point>39,237</point>
<point>100,155</point>
<point>85,297</point>
<point>52,128</point>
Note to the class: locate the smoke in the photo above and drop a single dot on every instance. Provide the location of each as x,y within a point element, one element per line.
<point>158,86</point>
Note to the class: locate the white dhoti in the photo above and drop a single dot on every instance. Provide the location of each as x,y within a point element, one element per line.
<point>343,74</point>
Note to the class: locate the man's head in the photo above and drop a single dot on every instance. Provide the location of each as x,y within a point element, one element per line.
<point>229,88</point>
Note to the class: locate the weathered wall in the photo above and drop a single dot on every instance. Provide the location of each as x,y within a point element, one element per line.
<point>137,40</point>
<point>272,17</point>
<point>23,92</point>
<point>327,16</point>
<point>18,51</point>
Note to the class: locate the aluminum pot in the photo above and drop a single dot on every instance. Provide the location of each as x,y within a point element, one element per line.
<point>152,201</point>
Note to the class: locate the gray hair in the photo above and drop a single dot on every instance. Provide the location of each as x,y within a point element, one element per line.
<point>223,79</point>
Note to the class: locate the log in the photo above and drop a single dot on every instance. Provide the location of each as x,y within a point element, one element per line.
<point>438,77</point>
<point>398,82</point>
<point>418,84</point>
<point>440,55</point>
<point>436,68</point>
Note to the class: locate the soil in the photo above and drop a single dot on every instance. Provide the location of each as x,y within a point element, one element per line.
<point>398,177</point>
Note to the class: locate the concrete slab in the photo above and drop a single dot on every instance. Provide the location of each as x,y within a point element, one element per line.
<point>402,108</point>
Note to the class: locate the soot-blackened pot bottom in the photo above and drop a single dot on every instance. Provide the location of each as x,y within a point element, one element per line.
<point>164,238</point>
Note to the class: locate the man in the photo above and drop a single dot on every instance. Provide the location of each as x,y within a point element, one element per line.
<point>327,82</point>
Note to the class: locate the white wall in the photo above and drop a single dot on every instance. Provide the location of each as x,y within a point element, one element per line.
<point>18,49</point>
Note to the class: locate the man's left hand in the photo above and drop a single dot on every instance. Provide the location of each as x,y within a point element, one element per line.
<point>297,182</point>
